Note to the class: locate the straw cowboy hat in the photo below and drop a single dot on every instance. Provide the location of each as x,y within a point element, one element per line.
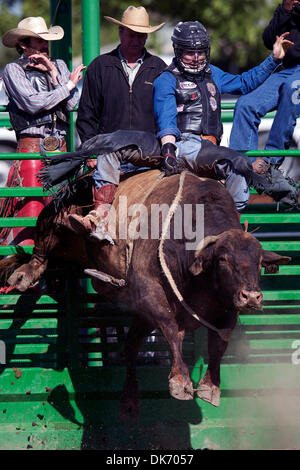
<point>34,27</point>
<point>136,19</point>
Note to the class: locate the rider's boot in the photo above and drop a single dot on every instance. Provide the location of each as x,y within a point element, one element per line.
<point>272,182</point>
<point>95,222</point>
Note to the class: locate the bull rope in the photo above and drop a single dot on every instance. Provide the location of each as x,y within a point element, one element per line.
<point>129,247</point>
<point>225,333</point>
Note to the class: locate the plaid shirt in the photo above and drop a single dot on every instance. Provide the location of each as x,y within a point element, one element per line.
<point>28,99</point>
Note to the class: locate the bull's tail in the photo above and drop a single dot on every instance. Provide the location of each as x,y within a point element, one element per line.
<point>10,264</point>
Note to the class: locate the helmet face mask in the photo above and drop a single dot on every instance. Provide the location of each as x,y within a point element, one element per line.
<point>191,38</point>
<point>192,61</point>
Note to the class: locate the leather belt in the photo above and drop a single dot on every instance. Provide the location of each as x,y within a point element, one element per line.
<point>209,137</point>
<point>32,144</point>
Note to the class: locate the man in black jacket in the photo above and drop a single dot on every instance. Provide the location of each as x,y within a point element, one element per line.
<point>117,95</point>
<point>280,91</point>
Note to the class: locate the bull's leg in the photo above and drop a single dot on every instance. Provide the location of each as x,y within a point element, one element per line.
<point>46,239</point>
<point>150,298</point>
<point>180,384</point>
<point>27,274</point>
<point>130,397</point>
<point>209,385</point>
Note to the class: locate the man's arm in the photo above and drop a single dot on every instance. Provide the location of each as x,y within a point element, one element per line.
<point>251,79</point>
<point>26,97</point>
<point>165,111</point>
<point>71,80</point>
<point>90,105</point>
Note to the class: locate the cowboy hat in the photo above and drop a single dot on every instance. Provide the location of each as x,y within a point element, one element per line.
<point>136,19</point>
<point>34,27</point>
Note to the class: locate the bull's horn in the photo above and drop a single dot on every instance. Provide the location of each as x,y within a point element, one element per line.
<point>207,241</point>
<point>212,239</point>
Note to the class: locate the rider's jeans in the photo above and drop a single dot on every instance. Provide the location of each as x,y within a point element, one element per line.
<point>109,168</point>
<point>188,148</point>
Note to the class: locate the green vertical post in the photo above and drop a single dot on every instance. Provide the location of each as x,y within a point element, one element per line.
<point>90,11</point>
<point>61,15</point>
<point>90,17</point>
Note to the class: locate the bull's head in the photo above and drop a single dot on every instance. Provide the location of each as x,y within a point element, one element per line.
<point>233,260</point>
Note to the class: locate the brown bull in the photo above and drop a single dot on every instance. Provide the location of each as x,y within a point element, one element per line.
<point>168,286</point>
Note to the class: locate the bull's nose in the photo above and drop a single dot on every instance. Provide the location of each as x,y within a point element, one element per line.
<point>251,298</point>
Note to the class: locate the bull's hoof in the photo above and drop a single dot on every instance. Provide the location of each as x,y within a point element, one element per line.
<point>209,393</point>
<point>180,391</point>
<point>21,280</point>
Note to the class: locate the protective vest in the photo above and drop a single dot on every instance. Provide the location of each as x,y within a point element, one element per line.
<point>40,81</point>
<point>198,103</point>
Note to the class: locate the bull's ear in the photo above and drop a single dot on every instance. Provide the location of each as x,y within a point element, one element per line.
<point>197,265</point>
<point>271,261</point>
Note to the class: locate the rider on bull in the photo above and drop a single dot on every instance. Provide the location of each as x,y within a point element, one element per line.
<point>188,113</point>
<point>187,105</point>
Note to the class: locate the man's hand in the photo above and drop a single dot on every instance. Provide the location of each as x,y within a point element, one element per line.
<point>91,163</point>
<point>260,166</point>
<point>281,45</point>
<point>76,75</point>
<point>43,63</point>
<point>170,165</point>
<point>288,4</point>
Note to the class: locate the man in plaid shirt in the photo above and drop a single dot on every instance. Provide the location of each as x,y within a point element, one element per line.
<point>41,92</point>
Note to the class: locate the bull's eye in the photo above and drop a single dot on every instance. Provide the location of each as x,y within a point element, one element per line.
<point>224,264</point>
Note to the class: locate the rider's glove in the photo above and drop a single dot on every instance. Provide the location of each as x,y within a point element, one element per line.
<point>170,165</point>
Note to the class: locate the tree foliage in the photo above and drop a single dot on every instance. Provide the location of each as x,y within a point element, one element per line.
<point>235,27</point>
<point>7,21</point>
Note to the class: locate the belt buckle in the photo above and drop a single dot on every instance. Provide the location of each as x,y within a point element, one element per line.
<point>50,143</point>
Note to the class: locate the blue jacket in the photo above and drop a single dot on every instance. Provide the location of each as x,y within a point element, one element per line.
<point>165,109</point>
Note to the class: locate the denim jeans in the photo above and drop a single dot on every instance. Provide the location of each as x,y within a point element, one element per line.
<point>235,183</point>
<point>280,91</point>
<point>109,168</point>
